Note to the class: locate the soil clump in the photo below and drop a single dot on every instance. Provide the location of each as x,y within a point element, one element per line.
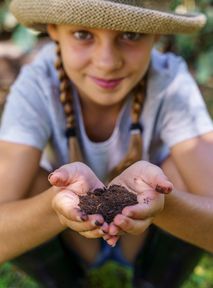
<point>107,201</point>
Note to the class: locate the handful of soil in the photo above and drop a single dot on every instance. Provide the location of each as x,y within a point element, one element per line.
<point>107,201</point>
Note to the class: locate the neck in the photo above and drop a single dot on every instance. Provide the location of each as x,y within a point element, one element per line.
<point>99,120</point>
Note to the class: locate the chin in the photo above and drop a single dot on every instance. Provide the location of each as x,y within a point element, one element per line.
<point>109,102</point>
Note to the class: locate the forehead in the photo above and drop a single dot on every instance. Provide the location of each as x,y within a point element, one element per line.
<point>73,28</point>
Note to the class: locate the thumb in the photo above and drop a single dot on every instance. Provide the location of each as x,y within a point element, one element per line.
<point>64,176</point>
<point>59,178</point>
<point>78,174</point>
<point>151,175</point>
<point>156,178</point>
<point>162,184</point>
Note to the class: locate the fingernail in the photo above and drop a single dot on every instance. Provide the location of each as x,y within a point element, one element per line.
<point>128,214</point>
<point>112,245</point>
<point>163,190</point>
<point>50,175</point>
<point>106,237</point>
<point>101,232</point>
<point>121,222</point>
<point>97,223</point>
<point>84,217</point>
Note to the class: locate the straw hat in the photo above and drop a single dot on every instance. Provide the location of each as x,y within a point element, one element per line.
<point>145,16</point>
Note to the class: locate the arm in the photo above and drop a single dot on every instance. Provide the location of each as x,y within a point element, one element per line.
<point>190,215</point>
<point>185,215</point>
<point>28,222</point>
<point>24,223</point>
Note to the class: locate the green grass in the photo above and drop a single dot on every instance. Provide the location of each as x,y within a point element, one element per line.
<point>202,276</point>
<point>11,277</point>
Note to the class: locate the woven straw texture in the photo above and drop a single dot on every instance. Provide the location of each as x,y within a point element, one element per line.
<point>122,15</point>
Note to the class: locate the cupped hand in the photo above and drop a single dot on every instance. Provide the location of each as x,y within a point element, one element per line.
<point>73,180</point>
<point>150,184</point>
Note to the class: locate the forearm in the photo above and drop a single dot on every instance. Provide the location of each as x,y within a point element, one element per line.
<point>189,217</point>
<point>27,223</point>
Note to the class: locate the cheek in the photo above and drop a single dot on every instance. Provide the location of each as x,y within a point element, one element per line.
<point>74,59</point>
<point>141,59</point>
<point>138,63</point>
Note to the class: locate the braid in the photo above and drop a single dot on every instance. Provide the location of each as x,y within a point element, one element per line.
<point>134,152</point>
<point>138,102</point>
<point>66,100</point>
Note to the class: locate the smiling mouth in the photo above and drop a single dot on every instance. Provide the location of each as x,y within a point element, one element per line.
<point>107,83</point>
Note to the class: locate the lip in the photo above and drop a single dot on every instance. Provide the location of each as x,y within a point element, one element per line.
<point>107,83</point>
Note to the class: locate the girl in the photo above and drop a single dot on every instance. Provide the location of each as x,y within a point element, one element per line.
<point>92,96</point>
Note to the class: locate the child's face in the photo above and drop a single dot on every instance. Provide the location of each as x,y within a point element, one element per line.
<point>104,65</point>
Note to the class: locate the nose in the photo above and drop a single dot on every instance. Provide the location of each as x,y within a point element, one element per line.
<point>107,56</point>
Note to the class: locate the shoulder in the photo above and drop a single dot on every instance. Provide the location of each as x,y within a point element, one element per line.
<point>39,76</point>
<point>45,59</point>
<point>170,74</point>
<point>43,63</point>
<point>167,62</point>
<point>167,65</point>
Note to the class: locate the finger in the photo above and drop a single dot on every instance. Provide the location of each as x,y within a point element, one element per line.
<point>115,230</point>
<point>66,204</point>
<point>82,226</point>
<point>78,174</point>
<point>137,212</point>
<point>106,237</point>
<point>164,188</point>
<point>105,228</point>
<point>93,222</point>
<point>149,205</point>
<point>132,226</point>
<point>144,174</point>
<point>154,176</point>
<point>157,180</point>
<point>112,240</point>
<point>68,174</point>
<point>96,233</point>
<point>59,178</point>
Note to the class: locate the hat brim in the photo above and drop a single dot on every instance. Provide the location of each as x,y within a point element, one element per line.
<point>103,15</point>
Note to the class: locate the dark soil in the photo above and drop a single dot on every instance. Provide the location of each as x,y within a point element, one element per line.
<point>107,201</point>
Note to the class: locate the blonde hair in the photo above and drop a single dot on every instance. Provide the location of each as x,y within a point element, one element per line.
<point>134,152</point>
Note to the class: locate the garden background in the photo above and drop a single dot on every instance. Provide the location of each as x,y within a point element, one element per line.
<point>18,45</point>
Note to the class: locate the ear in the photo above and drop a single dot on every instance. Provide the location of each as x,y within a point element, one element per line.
<point>52,31</point>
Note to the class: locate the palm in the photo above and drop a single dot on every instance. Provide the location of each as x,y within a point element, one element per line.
<point>142,178</point>
<point>73,180</point>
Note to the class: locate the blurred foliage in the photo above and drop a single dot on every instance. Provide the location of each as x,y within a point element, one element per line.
<point>11,30</point>
<point>11,277</point>
<point>197,48</point>
<point>202,277</point>
<point>110,275</point>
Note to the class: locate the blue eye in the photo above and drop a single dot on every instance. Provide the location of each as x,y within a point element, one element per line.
<point>132,36</point>
<point>82,35</point>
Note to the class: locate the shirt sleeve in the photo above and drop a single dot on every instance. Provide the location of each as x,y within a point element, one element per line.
<point>184,114</point>
<point>25,119</point>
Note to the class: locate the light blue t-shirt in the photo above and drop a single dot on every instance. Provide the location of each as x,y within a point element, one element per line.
<point>174,111</point>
